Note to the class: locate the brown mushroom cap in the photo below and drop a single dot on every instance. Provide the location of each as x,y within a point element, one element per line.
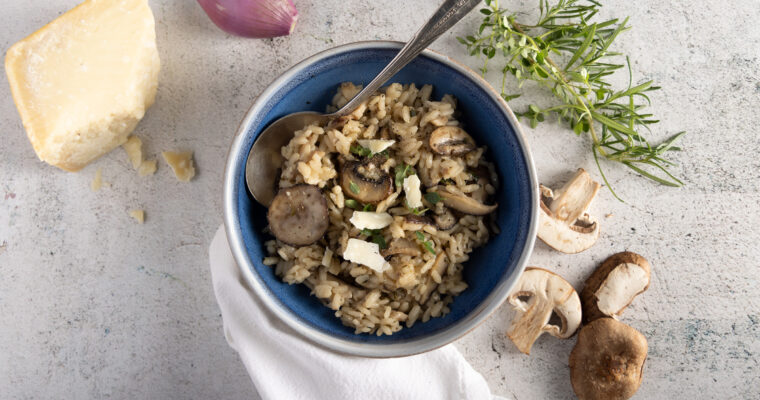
<point>451,141</point>
<point>607,362</point>
<point>365,182</point>
<point>636,283</point>
<point>298,215</point>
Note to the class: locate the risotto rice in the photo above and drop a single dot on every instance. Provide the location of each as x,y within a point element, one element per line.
<point>425,247</point>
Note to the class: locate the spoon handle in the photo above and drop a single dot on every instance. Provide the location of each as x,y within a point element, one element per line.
<point>447,15</point>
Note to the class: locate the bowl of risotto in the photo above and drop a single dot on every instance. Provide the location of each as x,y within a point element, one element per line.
<point>398,228</point>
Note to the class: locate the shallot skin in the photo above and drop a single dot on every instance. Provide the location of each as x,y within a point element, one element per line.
<point>252,18</point>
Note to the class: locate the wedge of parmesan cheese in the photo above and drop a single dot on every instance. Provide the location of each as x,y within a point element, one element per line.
<point>370,220</point>
<point>412,191</point>
<point>181,163</point>
<point>365,253</point>
<point>376,145</point>
<point>83,82</point>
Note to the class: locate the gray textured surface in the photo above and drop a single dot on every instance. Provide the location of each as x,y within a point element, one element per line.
<point>94,306</point>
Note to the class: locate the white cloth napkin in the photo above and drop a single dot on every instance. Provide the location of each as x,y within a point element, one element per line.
<point>284,365</point>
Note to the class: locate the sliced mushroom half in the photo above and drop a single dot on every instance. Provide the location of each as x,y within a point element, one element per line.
<point>298,215</point>
<point>416,222</point>
<point>538,294</point>
<point>445,220</point>
<point>564,223</point>
<point>451,141</point>
<point>365,182</point>
<point>401,246</point>
<point>613,286</point>
<point>465,204</point>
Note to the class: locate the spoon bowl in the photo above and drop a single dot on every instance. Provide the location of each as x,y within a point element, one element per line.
<point>262,168</point>
<point>264,159</point>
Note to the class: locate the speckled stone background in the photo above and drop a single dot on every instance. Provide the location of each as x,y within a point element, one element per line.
<point>93,305</point>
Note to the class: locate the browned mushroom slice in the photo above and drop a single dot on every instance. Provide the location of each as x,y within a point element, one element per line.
<point>401,246</point>
<point>365,182</point>
<point>451,141</point>
<point>417,222</point>
<point>465,204</point>
<point>445,220</point>
<point>298,215</point>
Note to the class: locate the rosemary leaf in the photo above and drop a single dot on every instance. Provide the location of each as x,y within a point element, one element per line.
<point>584,99</point>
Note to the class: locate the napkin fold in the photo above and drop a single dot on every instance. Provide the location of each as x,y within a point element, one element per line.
<point>284,365</point>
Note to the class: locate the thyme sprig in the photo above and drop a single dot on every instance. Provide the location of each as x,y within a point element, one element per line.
<point>570,55</point>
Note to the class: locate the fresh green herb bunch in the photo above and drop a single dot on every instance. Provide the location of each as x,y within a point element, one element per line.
<point>570,55</point>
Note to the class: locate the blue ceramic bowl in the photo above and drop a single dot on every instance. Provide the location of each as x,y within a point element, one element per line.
<point>492,269</point>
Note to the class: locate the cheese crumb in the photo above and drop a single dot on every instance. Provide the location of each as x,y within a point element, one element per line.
<point>376,145</point>
<point>371,220</point>
<point>138,215</point>
<point>148,167</point>
<point>181,163</point>
<point>97,181</point>
<point>412,190</point>
<point>365,253</point>
<point>133,147</point>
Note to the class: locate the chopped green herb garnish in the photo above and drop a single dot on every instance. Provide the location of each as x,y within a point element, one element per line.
<point>351,203</point>
<point>380,240</point>
<point>375,236</point>
<point>354,187</point>
<point>446,181</point>
<point>414,210</point>
<point>428,245</point>
<point>368,207</point>
<point>402,171</point>
<point>418,211</point>
<point>360,151</point>
<point>368,232</point>
<point>432,197</point>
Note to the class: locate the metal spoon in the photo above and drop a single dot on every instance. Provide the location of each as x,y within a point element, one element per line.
<point>264,159</point>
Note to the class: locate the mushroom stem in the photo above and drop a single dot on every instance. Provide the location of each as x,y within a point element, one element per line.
<point>547,292</point>
<point>574,198</point>
<point>533,319</point>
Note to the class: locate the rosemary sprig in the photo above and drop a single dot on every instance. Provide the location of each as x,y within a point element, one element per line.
<point>570,55</point>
